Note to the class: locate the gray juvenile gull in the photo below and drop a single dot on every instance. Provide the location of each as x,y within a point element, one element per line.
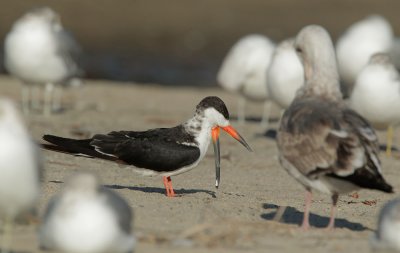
<point>244,71</point>
<point>38,51</point>
<point>376,95</point>
<point>20,166</point>
<point>323,144</point>
<point>387,236</point>
<point>87,218</point>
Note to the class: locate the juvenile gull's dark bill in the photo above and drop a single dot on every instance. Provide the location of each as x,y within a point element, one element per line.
<point>323,144</point>
<point>161,151</point>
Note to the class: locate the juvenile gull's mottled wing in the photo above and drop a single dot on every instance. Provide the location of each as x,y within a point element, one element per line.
<point>321,138</point>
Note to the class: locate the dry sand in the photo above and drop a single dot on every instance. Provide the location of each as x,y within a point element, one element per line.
<point>234,218</point>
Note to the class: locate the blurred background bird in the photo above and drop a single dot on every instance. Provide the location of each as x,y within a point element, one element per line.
<point>386,237</point>
<point>285,74</point>
<point>376,95</point>
<point>20,169</point>
<point>358,43</point>
<point>42,54</point>
<point>85,217</point>
<point>244,71</point>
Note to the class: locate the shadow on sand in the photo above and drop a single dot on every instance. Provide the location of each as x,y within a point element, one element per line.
<point>161,190</point>
<point>383,147</point>
<point>151,189</point>
<point>293,216</point>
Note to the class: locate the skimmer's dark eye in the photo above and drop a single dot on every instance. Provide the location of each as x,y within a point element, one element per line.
<point>299,50</point>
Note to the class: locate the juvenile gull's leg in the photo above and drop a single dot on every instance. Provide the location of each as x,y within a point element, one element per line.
<point>306,224</point>
<point>331,224</point>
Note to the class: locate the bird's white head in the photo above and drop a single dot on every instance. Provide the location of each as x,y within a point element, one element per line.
<point>41,16</point>
<point>217,115</point>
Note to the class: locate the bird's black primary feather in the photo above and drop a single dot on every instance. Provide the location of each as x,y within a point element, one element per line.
<point>162,149</point>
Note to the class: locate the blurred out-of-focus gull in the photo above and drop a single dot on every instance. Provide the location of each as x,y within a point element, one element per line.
<point>244,71</point>
<point>285,74</point>
<point>376,95</point>
<point>386,238</point>
<point>323,144</point>
<point>39,51</point>
<point>20,167</point>
<point>358,43</point>
<point>86,217</point>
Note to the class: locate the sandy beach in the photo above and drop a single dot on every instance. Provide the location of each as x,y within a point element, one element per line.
<point>237,217</point>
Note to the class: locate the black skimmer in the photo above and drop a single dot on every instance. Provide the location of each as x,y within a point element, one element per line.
<point>323,144</point>
<point>162,151</point>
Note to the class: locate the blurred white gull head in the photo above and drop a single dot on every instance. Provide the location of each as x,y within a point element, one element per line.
<point>376,93</point>
<point>38,50</point>
<point>359,42</point>
<point>285,74</point>
<point>87,218</point>
<point>387,235</point>
<point>244,71</point>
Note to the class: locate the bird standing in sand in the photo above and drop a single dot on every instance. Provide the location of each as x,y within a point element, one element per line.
<point>87,218</point>
<point>386,238</point>
<point>20,165</point>
<point>323,144</point>
<point>358,43</point>
<point>40,52</point>
<point>285,74</point>
<point>244,71</point>
<point>161,151</point>
<point>376,95</point>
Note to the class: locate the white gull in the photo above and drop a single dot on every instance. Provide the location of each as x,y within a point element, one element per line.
<point>376,95</point>
<point>20,167</point>
<point>87,218</point>
<point>244,71</point>
<point>285,74</point>
<point>39,51</point>
<point>358,43</point>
